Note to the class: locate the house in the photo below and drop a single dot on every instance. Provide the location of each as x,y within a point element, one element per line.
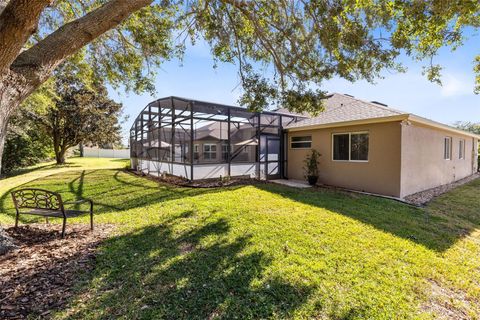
<point>365,146</point>
<point>371,147</point>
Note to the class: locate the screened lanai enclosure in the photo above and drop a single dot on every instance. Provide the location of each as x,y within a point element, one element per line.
<point>201,140</point>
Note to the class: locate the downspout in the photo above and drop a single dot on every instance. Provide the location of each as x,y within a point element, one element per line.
<point>474,153</point>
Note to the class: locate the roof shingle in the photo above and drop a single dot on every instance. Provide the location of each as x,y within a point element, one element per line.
<point>343,108</point>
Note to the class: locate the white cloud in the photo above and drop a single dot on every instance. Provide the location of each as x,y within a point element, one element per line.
<point>455,85</point>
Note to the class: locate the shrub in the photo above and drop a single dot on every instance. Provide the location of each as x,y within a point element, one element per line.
<point>25,149</point>
<point>311,164</point>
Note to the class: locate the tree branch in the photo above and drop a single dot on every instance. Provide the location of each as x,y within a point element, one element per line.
<point>18,21</point>
<point>262,38</point>
<point>39,61</point>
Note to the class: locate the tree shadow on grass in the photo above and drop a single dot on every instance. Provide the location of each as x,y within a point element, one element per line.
<point>435,229</point>
<point>201,273</point>
<point>111,191</point>
<point>137,192</point>
<point>6,202</point>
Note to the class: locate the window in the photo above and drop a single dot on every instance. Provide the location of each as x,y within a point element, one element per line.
<point>350,146</point>
<point>210,151</point>
<point>461,149</point>
<point>304,142</point>
<point>196,152</point>
<point>447,148</point>
<point>178,153</point>
<point>359,146</point>
<point>341,147</point>
<point>225,152</point>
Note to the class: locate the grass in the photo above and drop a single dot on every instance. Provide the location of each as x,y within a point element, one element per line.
<point>266,251</point>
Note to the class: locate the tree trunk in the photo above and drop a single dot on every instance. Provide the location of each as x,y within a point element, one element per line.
<point>9,100</point>
<point>80,147</point>
<point>22,73</point>
<point>6,243</point>
<point>60,156</point>
<point>3,135</point>
<point>14,88</point>
<point>58,147</point>
<point>8,103</point>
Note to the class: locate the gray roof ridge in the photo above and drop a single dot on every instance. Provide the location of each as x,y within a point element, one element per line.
<point>372,104</point>
<point>326,112</point>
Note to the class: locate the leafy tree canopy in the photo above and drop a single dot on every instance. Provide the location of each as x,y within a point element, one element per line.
<point>468,126</point>
<point>25,144</point>
<point>72,109</point>
<point>303,42</point>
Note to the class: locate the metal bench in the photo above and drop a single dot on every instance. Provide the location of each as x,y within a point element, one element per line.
<point>47,204</point>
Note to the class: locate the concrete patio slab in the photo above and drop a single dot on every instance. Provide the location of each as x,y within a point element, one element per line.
<point>292,183</point>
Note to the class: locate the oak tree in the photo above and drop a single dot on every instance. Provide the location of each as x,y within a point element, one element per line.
<point>301,42</point>
<point>79,115</point>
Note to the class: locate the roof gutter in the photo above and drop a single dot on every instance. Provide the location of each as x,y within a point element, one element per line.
<point>400,117</point>
<point>438,125</point>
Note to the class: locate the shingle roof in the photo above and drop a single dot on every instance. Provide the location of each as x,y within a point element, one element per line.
<point>342,108</point>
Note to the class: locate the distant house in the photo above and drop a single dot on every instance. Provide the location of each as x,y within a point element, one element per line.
<point>365,146</point>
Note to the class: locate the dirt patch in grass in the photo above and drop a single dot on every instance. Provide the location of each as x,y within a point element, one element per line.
<point>39,276</point>
<point>186,247</point>
<point>423,197</point>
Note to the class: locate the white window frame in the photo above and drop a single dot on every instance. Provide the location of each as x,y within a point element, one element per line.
<point>196,151</point>
<point>350,145</point>
<point>306,141</point>
<point>210,152</point>
<point>449,155</point>
<point>461,149</point>
<point>225,151</point>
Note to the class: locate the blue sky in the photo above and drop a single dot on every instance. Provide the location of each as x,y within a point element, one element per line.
<point>411,91</point>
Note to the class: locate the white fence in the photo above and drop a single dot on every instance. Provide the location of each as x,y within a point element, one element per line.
<point>106,153</point>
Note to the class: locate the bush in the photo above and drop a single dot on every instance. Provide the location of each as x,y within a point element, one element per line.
<point>311,164</point>
<point>25,149</point>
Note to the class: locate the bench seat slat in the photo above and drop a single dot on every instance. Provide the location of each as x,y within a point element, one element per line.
<point>54,213</point>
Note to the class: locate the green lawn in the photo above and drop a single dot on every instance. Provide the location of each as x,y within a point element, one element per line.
<point>267,251</point>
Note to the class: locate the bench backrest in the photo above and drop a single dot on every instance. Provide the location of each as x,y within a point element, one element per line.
<point>37,199</point>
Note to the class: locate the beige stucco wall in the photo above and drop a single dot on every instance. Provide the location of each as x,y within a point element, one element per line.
<point>423,164</point>
<point>381,174</point>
